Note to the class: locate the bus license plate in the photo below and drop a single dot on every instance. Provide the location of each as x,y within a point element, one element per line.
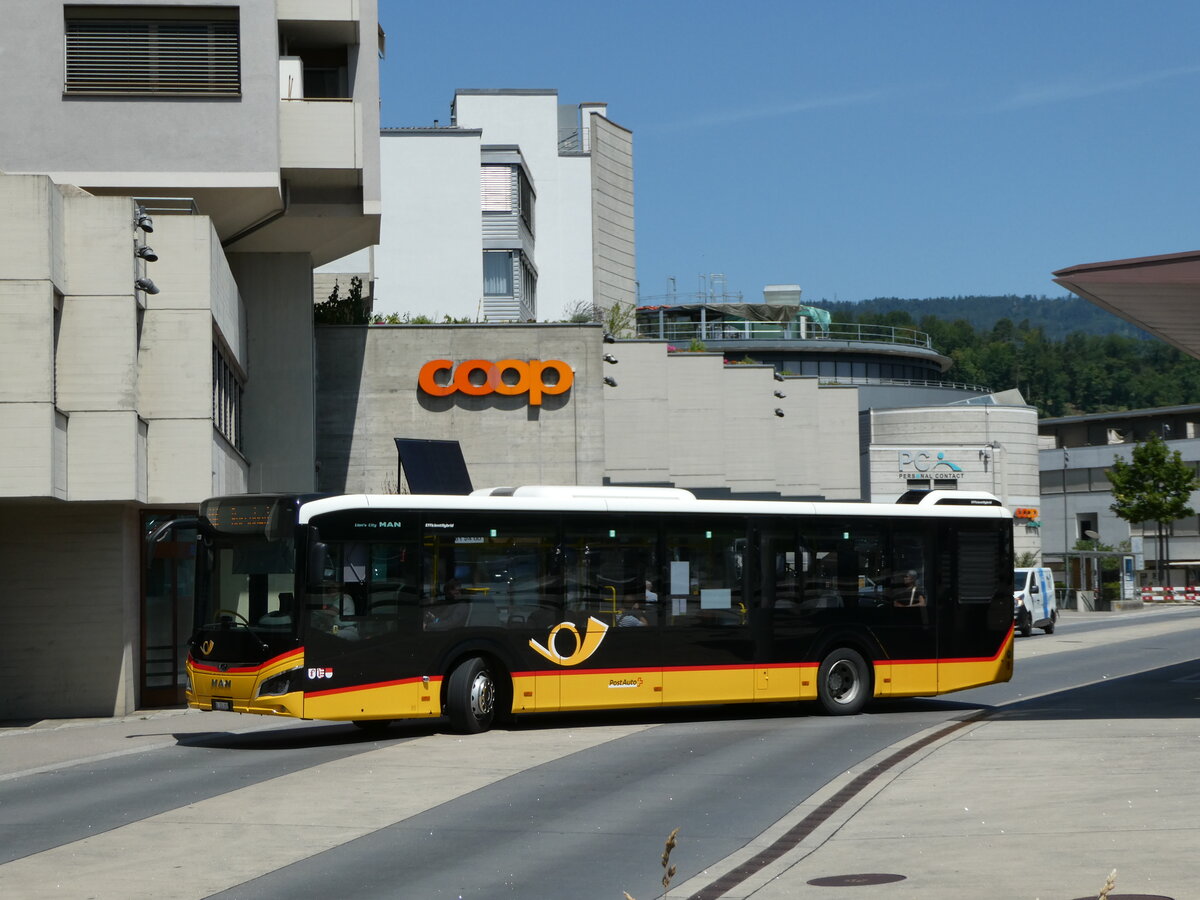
<point>225,705</point>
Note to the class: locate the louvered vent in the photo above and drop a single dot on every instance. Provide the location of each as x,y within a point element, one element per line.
<point>132,56</point>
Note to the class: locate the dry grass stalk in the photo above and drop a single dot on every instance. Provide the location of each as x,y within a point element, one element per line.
<point>666,859</point>
<point>1108,885</point>
<point>666,863</point>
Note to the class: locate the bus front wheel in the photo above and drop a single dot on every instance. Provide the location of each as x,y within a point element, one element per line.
<point>843,682</point>
<point>471,697</point>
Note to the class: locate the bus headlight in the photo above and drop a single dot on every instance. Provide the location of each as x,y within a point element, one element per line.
<point>276,685</point>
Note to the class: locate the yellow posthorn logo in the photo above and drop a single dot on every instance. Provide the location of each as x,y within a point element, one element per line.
<point>207,647</point>
<point>584,647</point>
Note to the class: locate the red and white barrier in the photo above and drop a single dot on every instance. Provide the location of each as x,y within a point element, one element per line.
<point>1170,594</point>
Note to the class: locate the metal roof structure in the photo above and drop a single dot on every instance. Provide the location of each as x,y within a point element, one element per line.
<point>1159,294</point>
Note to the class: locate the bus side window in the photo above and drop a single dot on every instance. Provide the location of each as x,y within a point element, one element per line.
<point>706,562</point>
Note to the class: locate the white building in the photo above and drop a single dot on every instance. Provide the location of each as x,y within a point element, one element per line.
<point>519,209</point>
<point>135,383</point>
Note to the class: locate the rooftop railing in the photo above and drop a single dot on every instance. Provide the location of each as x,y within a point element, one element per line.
<point>796,330</point>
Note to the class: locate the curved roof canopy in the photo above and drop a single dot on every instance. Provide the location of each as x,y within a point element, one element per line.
<point>1159,294</point>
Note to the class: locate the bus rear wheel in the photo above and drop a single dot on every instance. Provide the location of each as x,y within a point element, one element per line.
<point>843,682</point>
<point>471,697</point>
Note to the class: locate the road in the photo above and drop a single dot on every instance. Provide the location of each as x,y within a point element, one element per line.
<point>559,806</point>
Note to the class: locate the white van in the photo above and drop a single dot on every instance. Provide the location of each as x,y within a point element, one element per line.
<point>1033,600</point>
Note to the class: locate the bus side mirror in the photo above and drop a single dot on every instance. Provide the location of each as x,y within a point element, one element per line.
<point>318,556</point>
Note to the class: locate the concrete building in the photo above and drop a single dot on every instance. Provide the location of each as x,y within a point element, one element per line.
<point>519,209</point>
<point>239,142</point>
<point>667,418</point>
<point>1076,451</point>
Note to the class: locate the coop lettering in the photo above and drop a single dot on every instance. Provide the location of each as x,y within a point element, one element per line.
<point>508,377</point>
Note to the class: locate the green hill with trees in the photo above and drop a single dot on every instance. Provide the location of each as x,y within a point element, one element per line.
<point>1057,316</point>
<point>1066,356</point>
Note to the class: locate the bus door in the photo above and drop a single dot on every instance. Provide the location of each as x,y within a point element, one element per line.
<point>361,627</point>
<point>491,584</point>
<point>915,603</point>
<point>781,629</point>
<point>975,616</point>
<point>707,644</point>
<point>859,592</point>
<point>614,615</point>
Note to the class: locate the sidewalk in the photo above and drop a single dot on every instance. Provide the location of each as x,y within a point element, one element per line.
<point>51,743</point>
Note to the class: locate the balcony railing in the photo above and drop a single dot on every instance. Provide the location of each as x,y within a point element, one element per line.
<point>797,330</point>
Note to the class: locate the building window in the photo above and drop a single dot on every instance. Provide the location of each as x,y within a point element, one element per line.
<point>152,50</point>
<point>525,199</point>
<point>495,188</point>
<point>528,287</point>
<point>226,399</point>
<point>497,273</point>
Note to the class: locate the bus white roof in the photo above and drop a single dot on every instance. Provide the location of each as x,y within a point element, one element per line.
<point>584,498</point>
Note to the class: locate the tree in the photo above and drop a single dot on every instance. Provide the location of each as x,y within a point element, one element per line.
<point>348,310</point>
<point>1154,486</point>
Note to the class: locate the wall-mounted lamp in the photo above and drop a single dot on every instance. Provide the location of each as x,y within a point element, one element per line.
<point>779,412</point>
<point>609,339</point>
<point>143,221</point>
<point>145,284</point>
<point>780,394</point>
<point>778,377</point>
<point>611,382</point>
<point>147,253</point>
<point>609,358</point>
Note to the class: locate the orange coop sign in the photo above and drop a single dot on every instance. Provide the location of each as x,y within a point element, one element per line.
<point>1026,512</point>
<point>508,377</point>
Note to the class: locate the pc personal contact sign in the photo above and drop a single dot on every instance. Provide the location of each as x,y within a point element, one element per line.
<point>508,377</point>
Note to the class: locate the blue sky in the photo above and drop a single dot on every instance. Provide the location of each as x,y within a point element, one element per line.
<point>859,149</point>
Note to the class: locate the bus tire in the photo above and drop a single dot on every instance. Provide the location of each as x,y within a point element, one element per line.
<point>843,682</point>
<point>471,697</point>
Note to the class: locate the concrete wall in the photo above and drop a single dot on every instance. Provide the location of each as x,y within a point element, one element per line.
<point>198,302</point>
<point>614,272</point>
<point>368,396</point>
<point>278,405</point>
<point>637,419</point>
<point>198,142</point>
<point>429,260</point>
<point>71,607</point>
<point>692,421</point>
<point>31,274</point>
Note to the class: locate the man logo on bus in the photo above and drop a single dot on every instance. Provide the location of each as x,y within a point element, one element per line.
<point>583,648</point>
<point>508,377</point>
<point>923,461</point>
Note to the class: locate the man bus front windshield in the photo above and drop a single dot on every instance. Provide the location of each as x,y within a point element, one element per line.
<point>251,584</point>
